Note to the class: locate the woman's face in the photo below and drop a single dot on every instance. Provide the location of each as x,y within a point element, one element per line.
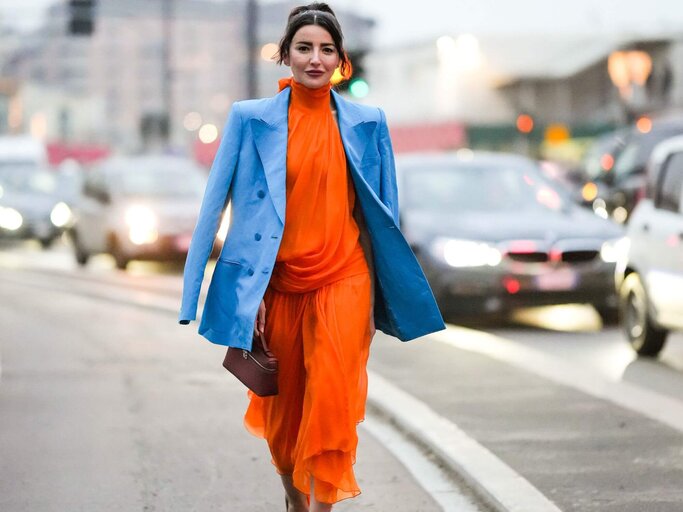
<point>312,56</point>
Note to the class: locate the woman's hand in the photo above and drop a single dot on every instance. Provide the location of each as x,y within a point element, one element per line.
<point>260,322</point>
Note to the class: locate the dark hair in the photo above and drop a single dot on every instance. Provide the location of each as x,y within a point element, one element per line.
<point>321,14</point>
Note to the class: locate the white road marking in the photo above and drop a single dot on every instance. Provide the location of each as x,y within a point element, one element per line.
<point>434,480</point>
<point>495,482</point>
<point>647,403</point>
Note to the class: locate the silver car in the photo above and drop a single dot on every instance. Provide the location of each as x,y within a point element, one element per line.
<point>649,271</point>
<point>138,208</point>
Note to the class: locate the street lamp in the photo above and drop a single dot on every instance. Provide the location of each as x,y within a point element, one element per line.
<point>629,71</point>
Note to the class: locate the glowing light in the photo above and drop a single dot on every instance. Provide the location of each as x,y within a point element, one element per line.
<point>528,180</point>
<point>208,133</point>
<point>60,215</point>
<point>269,51</point>
<point>359,88</point>
<point>606,162</point>
<point>589,191</point>
<point>140,235</point>
<point>511,285</point>
<point>142,224</point>
<point>192,121</point>
<point>613,249</point>
<point>140,215</point>
<point>644,124</point>
<point>466,253</point>
<point>628,68</point>
<point>10,219</point>
<point>556,133</point>
<point>620,214</point>
<point>525,123</point>
<point>548,197</point>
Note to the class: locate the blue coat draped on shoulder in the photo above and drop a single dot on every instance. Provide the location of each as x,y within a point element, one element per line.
<point>249,171</point>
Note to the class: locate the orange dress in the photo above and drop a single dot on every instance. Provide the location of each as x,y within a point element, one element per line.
<point>317,311</point>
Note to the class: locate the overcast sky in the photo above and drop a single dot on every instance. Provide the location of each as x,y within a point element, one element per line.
<point>401,21</point>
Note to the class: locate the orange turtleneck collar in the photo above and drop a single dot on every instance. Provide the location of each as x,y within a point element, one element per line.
<point>303,97</point>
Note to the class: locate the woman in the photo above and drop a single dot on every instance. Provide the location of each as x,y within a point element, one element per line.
<point>313,258</point>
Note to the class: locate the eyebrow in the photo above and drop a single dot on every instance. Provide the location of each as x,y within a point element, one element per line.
<point>308,42</point>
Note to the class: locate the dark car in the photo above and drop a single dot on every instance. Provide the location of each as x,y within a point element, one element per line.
<point>598,163</point>
<point>620,189</point>
<point>492,233</point>
<point>32,204</point>
<point>142,207</point>
<point>649,271</point>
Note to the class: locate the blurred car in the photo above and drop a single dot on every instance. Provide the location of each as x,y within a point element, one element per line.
<point>649,271</point>
<point>32,204</point>
<point>621,188</point>
<point>141,207</point>
<point>597,163</point>
<point>492,233</point>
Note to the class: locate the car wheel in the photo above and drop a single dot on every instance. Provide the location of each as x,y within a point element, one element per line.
<point>45,242</point>
<point>82,256</point>
<point>120,258</point>
<point>645,338</point>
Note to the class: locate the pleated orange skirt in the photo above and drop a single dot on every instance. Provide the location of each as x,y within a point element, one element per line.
<point>322,341</point>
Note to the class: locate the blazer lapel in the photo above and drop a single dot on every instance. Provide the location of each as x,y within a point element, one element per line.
<point>356,132</point>
<point>270,138</point>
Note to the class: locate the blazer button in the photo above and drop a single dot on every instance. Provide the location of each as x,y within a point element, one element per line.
<point>257,236</point>
<point>261,194</point>
<point>250,272</point>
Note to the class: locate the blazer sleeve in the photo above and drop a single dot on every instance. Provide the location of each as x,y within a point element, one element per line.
<point>213,204</point>
<point>388,187</point>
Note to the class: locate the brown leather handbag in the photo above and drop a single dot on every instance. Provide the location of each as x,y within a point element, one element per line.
<point>256,369</point>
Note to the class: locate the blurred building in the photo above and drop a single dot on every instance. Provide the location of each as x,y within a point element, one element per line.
<point>143,58</point>
<point>483,84</point>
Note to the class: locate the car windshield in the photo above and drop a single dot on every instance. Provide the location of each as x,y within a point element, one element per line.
<point>636,153</point>
<point>170,183</point>
<point>480,188</point>
<point>27,180</point>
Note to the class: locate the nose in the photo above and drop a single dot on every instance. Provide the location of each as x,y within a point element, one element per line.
<point>315,57</point>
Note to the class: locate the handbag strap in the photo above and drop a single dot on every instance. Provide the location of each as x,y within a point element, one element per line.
<point>262,337</point>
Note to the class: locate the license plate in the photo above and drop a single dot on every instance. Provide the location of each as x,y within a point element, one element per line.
<point>182,243</point>
<point>558,280</point>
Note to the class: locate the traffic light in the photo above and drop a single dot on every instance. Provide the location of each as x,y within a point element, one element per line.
<point>81,16</point>
<point>357,86</point>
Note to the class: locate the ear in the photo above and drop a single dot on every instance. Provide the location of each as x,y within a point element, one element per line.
<point>285,59</point>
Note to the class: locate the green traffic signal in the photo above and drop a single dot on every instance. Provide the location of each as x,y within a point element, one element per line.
<point>358,88</point>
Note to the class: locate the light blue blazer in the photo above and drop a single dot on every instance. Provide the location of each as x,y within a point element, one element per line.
<point>249,171</point>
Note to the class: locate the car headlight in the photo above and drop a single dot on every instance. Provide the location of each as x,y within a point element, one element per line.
<point>142,224</point>
<point>612,250</point>
<point>10,219</point>
<point>465,253</point>
<point>60,215</point>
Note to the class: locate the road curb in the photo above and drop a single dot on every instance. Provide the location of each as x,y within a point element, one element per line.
<point>490,479</point>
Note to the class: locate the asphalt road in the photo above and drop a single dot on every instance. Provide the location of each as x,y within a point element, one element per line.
<point>109,405</point>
